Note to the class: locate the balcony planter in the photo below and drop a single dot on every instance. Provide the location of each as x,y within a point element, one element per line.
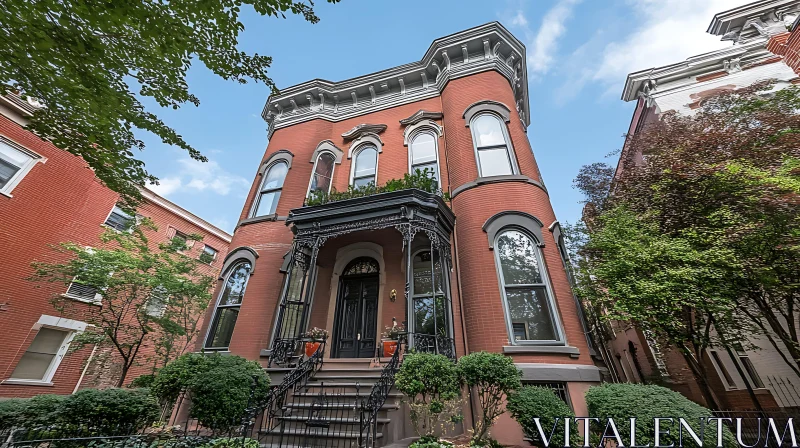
<point>389,347</point>
<point>312,347</point>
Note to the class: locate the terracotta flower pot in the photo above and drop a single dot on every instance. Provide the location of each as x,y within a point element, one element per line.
<point>389,348</point>
<point>311,348</point>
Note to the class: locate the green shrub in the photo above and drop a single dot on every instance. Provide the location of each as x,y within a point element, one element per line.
<point>109,409</point>
<point>10,412</point>
<point>493,376</point>
<point>232,442</point>
<point>219,386</point>
<point>177,376</point>
<point>430,442</point>
<point>646,402</point>
<point>432,384</point>
<point>530,402</point>
<point>144,381</point>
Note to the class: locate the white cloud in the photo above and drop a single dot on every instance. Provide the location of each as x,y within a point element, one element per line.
<point>195,176</point>
<point>542,51</point>
<point>223,223</point>
<point>666,32</point>
<point>519,19</point>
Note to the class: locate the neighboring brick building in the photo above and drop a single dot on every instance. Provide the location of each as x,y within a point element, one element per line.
<point>682,87</point>
<point>461,111</point>
<point>48,196</point>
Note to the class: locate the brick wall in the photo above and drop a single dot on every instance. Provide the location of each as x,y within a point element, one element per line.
<point>58,200</point>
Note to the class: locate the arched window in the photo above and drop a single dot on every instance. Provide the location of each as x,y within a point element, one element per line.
<point>529,307</point>
<point>430,304</point>
<point>323,173</point>
<point>365,167</point>
<point>492,149</point>
<point>228,304</point>
<point>270,193</point>
<point>423,151</point>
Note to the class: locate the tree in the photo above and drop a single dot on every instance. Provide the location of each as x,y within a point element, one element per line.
<point>91,64</point>
<point>494,376</point>
<point>704,215</point>
<point>147,295</point>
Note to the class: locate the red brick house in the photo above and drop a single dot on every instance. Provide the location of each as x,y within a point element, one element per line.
<point>48,196</point>
<point>478,268</point>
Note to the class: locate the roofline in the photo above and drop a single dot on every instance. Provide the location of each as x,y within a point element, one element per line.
<point>319,98</point>
<point>160,201</point>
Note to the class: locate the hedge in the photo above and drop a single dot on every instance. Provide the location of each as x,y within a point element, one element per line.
<point>530,402</point>
<point>645,402</point>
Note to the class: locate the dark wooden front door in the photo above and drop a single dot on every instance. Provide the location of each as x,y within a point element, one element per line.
<point>356,317</point>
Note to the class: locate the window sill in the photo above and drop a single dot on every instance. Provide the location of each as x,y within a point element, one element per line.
<point>496,179</point>
<point>255,219</point>
<point>14,382</point>
<point>214,351</point>
<point>573,352</point>
<point>82,299</point>
<point>6,194</point>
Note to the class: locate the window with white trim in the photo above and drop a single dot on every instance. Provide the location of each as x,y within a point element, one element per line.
<point>119,220</point>
<point>208,254</point>
<point>424,153</point>
<point>228,305</point>
<point>365,167</point>
<point>14,165</point>
<point>529,307</point>
<point>83,291</point>
<point>157,303</point>
<point>271,187</point>
<point>429,301</point>
<point>492,149</point>
<point>42,357</point>
<point>322,176</point>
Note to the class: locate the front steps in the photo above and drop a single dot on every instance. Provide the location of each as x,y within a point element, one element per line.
<point>326,411</point>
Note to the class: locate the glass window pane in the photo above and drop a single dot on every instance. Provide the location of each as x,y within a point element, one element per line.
<point>424,322</point>
<point>222,329</point>
<point>7,171</point>
<point>518,259</point>
<point>119,220</point>
<point>366,161</point>
<point>423,149</point>
<point>530,314</point>
<point>235,285</point>
<point>275,176</point>
<point>268,203</point>
<point>32,366</point>
<point>364,181</point>
<point>488,131</point>
<point>494,162</point>
<point>422,274</point>
<point>47,341</point>
<point>321,179</point>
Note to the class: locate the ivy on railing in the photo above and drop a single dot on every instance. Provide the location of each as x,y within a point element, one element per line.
<point>420,179</point>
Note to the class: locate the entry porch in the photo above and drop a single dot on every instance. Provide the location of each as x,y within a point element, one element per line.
<point>359,267</point>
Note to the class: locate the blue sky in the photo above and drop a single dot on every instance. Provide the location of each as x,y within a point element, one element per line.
<point>579,52</point>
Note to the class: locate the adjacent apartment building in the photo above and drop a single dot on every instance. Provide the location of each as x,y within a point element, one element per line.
<point>478,266</point>
<point>48,196</point>
<point>743,376</point>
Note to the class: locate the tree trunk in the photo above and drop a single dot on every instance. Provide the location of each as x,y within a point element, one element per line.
<point>699,373</point>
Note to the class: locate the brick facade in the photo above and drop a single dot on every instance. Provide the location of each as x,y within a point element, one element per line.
<point>60,200</point>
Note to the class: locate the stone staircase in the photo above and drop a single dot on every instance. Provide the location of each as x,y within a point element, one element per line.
<point>326,412</point>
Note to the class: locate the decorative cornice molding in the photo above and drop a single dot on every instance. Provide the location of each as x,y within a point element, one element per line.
<point>756,20</point>
<point>489,47</point>
<point>486,105</point>
<point>654,81</point>
<point>421,115</point>
<point>363,129</point>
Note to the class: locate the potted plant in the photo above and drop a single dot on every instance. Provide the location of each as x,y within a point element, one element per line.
<point>390,336</point>
<point>317,336</point>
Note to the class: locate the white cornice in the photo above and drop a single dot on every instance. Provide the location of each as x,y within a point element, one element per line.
<point>482,48</point>
<point>183,213</point>
<point>652,80</point>
<point>759,19</point>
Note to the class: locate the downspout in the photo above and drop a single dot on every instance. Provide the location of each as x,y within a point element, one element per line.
<point>85,369</point>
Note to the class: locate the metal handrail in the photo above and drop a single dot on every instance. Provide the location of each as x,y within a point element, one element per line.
<point>377,397</point>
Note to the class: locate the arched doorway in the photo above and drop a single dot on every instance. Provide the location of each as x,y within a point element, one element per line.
<point>354,334</point>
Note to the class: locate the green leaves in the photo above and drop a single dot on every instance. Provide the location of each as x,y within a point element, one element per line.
<point>80,58</point>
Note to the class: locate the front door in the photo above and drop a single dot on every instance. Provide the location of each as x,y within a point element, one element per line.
<point>356,317</point>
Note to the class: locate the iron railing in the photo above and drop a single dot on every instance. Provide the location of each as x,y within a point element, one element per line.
<point>377,398</point>
<point>433,343</point>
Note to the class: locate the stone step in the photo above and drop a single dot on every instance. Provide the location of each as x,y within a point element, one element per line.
<point>387,406</point>
<point>360,394</point>
<point>346,420</point>
<point>319,433</point>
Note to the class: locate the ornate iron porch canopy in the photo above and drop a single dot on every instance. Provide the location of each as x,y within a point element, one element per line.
<point>409,211</point>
